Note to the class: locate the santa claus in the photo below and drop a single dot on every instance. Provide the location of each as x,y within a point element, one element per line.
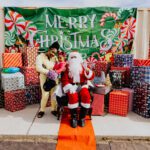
<point>74,82</point>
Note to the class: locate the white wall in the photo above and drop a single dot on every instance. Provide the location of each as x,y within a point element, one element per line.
<point>1,34</point>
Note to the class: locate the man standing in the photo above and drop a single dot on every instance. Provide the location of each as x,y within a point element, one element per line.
<point>74,82</point>
<point>44,64</point>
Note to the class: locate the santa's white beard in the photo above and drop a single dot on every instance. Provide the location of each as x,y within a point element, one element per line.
<point>75,69</point>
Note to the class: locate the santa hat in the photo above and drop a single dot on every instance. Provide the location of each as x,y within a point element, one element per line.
<point>55,45</point>
<point>77,54</point>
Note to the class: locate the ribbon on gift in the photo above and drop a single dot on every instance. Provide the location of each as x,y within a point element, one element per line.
<point>12,49</point>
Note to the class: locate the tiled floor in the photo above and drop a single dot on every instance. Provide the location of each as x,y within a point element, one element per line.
<point>25,123</point>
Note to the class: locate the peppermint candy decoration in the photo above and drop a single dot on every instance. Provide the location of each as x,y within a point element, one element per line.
<point>30,30</point>
<point>128,28</point>
<point>122,10</point>
<point>9,38</point>
<point>13,49</point>
<point>91,62</point>
<point>91,59</point>
<point>121,42</point>
<point>15,22</point>
<point>102,21</point>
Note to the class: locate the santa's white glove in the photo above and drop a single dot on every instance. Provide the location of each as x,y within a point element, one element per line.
<point>73,89</point>
<point>85,65</point>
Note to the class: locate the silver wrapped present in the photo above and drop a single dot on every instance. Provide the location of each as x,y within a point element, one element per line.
<point>14,81</point>
<point>102,90</point>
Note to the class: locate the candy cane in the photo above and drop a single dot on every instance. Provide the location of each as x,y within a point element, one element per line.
<point>102,21</point>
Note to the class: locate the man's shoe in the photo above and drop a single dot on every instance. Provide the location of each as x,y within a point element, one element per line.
<point>73,123</point>
<point>81,122</point>
<point>54,113</point>
<point>40,114</point>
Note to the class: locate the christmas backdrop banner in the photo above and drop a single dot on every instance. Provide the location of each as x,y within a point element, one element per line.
<point>101,29</point>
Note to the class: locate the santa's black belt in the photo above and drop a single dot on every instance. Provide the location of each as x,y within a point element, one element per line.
<point>81,84</point>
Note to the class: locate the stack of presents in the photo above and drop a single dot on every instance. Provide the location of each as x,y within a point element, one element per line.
<point>129,88</point>
<point>19,79</point>
<point>126,88</point>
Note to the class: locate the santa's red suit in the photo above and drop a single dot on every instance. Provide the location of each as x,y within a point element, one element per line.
<point>76,90</point>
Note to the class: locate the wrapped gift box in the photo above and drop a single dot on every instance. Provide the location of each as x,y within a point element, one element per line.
<point>131,92</point>
<point>127,74</point>
<point>141,100</point>
<point>123,60</point>
<point>141,74</point>
<point>102,90</point>
<point>13,81</point>
<point>14,100</point>
<point>1,98</point>
<point>141,62</point>
<point>12,60</point>
<point>29,56</point>
<point>117,78</point>
<point>118,102</point>
<point>98,104</point>
<point>146,74</point>
<point>32,94</point>
<point>100,66</point>
<point>31,76</point>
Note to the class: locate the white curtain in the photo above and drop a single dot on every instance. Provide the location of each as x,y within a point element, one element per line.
<point>142,36</point>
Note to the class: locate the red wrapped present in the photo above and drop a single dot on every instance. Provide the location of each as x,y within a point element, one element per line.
<point>118,102</point>
<point>141,62</point>
<point>29,56</point>
<point>131,92</point>
<point>31,76</point>
<point>32,94</point>
<point>12,60</point>
<point>98,104</point>
<point>14,100</point>
<point>127,73</point>
<point>100,65</point>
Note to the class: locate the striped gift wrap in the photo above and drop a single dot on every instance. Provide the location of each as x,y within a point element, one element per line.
<point>12,60</point>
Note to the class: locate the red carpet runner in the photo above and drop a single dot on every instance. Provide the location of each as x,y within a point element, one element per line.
<point>75,138</point>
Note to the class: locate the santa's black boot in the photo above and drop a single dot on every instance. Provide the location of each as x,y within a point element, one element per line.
<point>83,112</point>
<point>74,120</point>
